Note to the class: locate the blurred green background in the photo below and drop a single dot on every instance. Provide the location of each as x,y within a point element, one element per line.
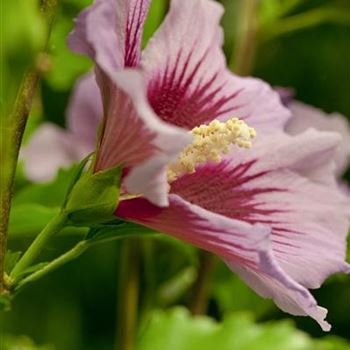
<point>302,44</point>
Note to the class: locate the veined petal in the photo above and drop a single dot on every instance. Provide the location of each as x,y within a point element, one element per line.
<point>130,30</point>
<point>263,187</point>
<point>109,31</point>
<point>244,245</point>
<point>85,111</point>
<point>311,154</point>
<point>95,35</point>
<point>188,82</point>
<point>309,220</point>
<point>49,149</point>
<point>224,236</point>
<point>305,116</point>
<point>183,220</point>
<point>137,139</point>
<point>285,298</point>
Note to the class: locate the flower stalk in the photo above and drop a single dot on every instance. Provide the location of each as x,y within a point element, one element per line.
<point>75,252</point>
<point>12,129</point>
<point>201,289</point>
<point>11,136</point>
<point>128,295</point>
<point>242,59</point>
<point>54,226</point>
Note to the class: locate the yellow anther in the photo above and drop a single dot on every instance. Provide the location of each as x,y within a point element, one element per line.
<point>209,143</point>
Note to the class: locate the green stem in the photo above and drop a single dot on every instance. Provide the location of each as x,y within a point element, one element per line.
<point>244,52</point>
<point>302,21</point>
<point>128,295</point>
<point>148,268</point>
<point>53,227</point>
<point>73,253</point>
<point>76,251</point>
<point>201,290</point>
<point>288,6</point>
<point>174,288</point>
<point>11,137</point>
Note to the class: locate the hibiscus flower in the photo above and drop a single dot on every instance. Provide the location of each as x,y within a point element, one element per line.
<point>167,116</point>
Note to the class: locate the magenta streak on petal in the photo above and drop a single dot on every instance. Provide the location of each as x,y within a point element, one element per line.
<point>122,142</point>
<point>197,230</point>
<point>228,198</point>
<point>232,198</point>
<point>240,243</point>
<point>177,101</point>
<point>132,51</point>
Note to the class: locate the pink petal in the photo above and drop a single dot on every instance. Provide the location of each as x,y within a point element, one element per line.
<point>95,36</point>
<point>268,185</point>
<point>305,116</point>
<point>85,110</point>
<point>109,31</point>
<point>189,83</point>
<point>131,15</point>
<point>286,94</point>
<point>309,219</point>
<point>311,154</point>
<point>224,236</point>
<point>246,246</point>
<point>136,138</point>
<point>285,298</point>
<point>49,149</point>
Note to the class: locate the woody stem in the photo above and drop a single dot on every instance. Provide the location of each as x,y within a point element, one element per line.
<point>12,128</point>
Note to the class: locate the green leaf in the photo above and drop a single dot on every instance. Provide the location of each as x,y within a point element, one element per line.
<point>50,194</point>
<point>10,260</point>
<point>26,219</point>
<point>178,330</point>
<point>94,197</point>
<point>23,36</point>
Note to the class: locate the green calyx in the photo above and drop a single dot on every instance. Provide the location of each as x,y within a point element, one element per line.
<point>94,197</point>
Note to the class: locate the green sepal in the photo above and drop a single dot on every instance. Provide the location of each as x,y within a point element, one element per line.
<point>94,197</point>
<point>77,172</point>
<point>116,228</point>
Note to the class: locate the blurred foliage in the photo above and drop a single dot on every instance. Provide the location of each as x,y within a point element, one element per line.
<point>177,330</point>
<point>74,308</point>
<point>21,343</point>
<point>66,65</point>
<point>23,34</point>
<point>36,203</point>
